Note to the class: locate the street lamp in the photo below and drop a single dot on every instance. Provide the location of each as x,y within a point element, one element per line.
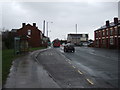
<point>47,33</point>
<point>47,27</point>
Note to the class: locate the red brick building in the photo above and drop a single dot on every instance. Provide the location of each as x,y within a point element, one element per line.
<point>108,36</point>
<point>31,33</point>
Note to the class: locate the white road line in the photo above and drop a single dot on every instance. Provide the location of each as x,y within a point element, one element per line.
<point>89,81</point>
<point>61,51</point>
<point>73,66</point>
<point>69,62</point>
<point>80,72</point>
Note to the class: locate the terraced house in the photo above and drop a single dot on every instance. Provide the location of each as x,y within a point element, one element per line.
<point>108,36</point>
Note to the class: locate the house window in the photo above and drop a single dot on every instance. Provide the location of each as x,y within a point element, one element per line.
<point>103,33</point>
<point>96,34</point>
<point>116,30</point>
<point>107,32</point>
<point>97,42</point>
<point>103,41</point>
<point>99,34</point>
<point>111,41</point>
<point>119,30</point>
<point>83,35</point>
<point>111,31</point>
<point>29,32</point>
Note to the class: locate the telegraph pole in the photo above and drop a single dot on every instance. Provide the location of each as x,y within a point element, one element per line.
<point>76,32</point>
<point>44,27</point>
<point>76,28</point>
<point>47,28</point>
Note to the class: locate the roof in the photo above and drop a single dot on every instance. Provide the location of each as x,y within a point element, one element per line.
<point>30,26</point>
<point>111,25</point>
<point>77,35</point>
<point>14,30</point>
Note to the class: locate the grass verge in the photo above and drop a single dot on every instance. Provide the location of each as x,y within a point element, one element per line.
<point>38,48</point>
<point>7,58</point>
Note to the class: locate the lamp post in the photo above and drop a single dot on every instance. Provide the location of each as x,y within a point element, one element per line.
<point>47,27</point>
<point>47,32</point>
<point>76,32</point>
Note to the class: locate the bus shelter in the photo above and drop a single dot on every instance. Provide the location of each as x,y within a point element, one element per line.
<point>20,45</point>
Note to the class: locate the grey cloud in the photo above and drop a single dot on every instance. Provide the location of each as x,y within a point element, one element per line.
<point>88,16</point>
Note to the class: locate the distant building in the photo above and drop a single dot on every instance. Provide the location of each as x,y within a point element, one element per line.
<point>14,30</point>
<point>77,39</point>
<point>108,36</point>
<point>45,41</point>
<point>31,33</point>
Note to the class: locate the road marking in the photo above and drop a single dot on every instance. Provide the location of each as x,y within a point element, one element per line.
<point>69,62</point>
<point>80,72</point>
<point>61,51</point>
<point>89,81</point>
<point>73,66</point>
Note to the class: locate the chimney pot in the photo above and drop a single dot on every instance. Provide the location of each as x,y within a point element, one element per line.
<point>34,24</point>
<point>115,20</point>
<point>23,24</point>
<point>107,23</point>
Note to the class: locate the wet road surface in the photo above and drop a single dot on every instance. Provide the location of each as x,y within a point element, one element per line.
<point>86,68</point>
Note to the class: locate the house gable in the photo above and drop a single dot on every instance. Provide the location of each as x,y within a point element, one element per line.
<point>32,33</point>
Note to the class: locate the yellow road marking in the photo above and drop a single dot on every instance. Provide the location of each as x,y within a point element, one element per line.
<point>90,81</point>
<point>73,66</point>
<point>69,62</point>
<point>80,72</point>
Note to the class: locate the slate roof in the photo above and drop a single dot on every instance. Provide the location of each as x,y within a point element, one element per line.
<point>111,25</point>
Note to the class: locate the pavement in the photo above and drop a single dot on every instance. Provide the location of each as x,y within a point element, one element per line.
<point>27,73</point>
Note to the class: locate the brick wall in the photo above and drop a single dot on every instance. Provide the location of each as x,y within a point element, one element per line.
<point>33,34</point>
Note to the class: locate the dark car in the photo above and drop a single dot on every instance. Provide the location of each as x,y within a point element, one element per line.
<point>69,48</point>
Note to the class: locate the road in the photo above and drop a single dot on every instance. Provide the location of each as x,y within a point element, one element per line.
<point>86,68</point>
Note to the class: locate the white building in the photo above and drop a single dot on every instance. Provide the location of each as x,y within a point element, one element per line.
<point>77,38</point>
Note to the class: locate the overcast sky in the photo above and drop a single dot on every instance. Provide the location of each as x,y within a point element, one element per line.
<point>87,15</point>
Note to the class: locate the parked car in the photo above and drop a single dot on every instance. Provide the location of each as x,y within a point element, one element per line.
<point>69,47</point>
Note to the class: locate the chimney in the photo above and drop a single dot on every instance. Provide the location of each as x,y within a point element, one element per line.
<point>34,24</point>
<point>23,24</point>
<point>107,23</point>
<point>115,20</point>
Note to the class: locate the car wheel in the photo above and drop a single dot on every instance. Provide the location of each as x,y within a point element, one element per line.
<point>73,51</point>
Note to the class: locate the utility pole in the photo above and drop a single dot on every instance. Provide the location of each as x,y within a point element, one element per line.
<point>47,28</point>
<point>44,27</point>
<point>76,32</point>
<point>76,28</point>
